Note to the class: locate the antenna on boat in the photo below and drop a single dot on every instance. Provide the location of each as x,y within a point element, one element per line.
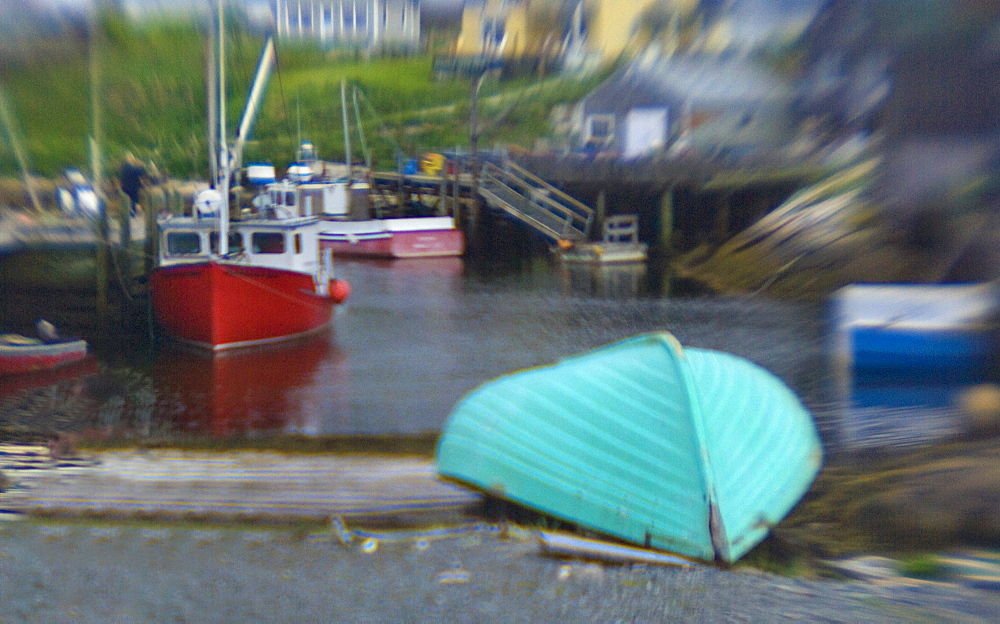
<point>7,120</point>
<point>361,130</point>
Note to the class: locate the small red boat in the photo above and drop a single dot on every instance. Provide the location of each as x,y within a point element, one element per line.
<point>19,354</point>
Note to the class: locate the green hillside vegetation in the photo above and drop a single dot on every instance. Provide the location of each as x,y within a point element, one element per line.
<point>152,101</point>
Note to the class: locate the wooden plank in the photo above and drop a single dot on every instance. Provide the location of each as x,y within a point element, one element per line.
<point>242,485</point>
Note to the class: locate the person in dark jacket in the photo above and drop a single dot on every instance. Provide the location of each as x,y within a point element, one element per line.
<point>133,175</point>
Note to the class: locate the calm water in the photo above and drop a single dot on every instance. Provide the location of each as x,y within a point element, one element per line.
<point>416,335</point>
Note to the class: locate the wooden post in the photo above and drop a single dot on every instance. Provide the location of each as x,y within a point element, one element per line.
<point>102,265</point>
<point>442,204</point>
<point>720,228</point>
<point>152,203</point>
<point>600,213</point>
<point>125,225</point>
<point>665,242</point>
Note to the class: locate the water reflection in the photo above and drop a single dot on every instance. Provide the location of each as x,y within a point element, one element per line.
<point>73,374</point>
<point>262,389</point>
<point>417,335</point>
<point>614,281</point>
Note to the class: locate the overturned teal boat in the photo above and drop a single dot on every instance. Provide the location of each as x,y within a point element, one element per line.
<point>691,451</point>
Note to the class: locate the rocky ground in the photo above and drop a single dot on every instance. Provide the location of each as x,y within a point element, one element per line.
<point>117,564</point>
<point>68,572</point>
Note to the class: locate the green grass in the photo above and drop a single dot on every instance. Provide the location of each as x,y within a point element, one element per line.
<point>923,566</point>
<point>152,101</point>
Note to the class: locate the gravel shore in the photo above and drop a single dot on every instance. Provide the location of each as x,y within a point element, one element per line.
<point>82,572</point>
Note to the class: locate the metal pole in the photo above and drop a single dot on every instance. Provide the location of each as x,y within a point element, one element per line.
<point>223,183</point>
<point>347,144</point>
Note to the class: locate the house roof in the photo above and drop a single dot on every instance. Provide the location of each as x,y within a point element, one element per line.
<point>709,80</point>
<point>704,81</point>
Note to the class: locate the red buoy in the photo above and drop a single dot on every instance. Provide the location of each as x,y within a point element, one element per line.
<point>339,290</point>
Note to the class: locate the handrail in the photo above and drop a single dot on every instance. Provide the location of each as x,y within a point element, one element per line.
<point>555,227</point>
<point>510,165</point>
<point>574,218</point>
<point>538,225</point>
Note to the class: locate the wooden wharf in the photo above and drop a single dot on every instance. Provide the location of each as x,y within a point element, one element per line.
<point>678,201</point>
<point>232,486</point>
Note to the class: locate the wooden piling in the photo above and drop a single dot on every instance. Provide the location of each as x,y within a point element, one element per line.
<point>102,266</point>
<point>125,230</point>
<point>600,211</point>
<point>666,234</point>
<point>720,226</point>
<point>152,203</point>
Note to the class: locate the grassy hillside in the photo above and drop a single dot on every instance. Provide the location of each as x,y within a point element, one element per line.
<point>152,101</point>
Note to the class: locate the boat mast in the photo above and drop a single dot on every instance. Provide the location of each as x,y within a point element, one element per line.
<point>347,130</point>
<point>222,183</point>
<point>211,102</point>
<point>361,130</point>
<point>347,145</point>
<point>96,160</point>
<point>265,66</point>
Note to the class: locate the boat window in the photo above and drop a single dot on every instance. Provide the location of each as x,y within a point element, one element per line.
<point>268,242</point>
<point>298,243</point>
<point>290,198</point>
<point>183,243</point>
<point>235,242</point>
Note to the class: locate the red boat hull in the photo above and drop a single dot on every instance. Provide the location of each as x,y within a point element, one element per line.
<point>415,244</point>
<point>27,358</point>
<point>218,305</point>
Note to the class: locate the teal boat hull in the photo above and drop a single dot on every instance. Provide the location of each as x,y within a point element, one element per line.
<point>690,451</point>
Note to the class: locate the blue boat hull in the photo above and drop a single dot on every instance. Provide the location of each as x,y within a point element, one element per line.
<point>904,354</point>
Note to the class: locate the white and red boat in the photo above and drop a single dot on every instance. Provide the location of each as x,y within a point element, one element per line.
<point>20,354</point>
<point>347,226</point>
<point>401,237</point>
<point>338,194</point>
<point>221,284</point>
<point>268,287</point>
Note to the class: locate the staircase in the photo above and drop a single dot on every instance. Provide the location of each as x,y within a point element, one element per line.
<point>535,202</point>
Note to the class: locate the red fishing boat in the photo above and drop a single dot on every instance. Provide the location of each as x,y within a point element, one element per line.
<point>222,304</point>
<point>222,284</point>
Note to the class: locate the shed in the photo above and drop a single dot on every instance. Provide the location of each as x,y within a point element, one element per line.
<point>717,104</point>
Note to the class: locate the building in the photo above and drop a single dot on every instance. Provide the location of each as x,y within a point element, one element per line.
<point>366,24</point>
<point>581,34</point>
<point>921,78</point>
<point>714,106</point>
